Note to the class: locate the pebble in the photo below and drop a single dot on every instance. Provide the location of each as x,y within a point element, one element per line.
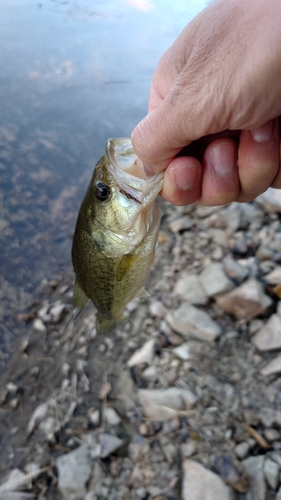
<point>94,416</point>
<point>274,277</point>
<point>271,434</point>
<point>157,309</point>
<point>166,403</point>
<point>150,373</point>
<point>181,224</point>
<point>202,484</point>
<point>234,270</point>
<point>242,450</point>
<point>253,467</point>
<point>39,326</point>
<point>190,288</point>
<point>111,417</point>
<point>270,417</point>
<point>272,367</point>
<point>182,351</point>
<point>74,471</point>
<point>215,281</point>
<point>271,473</point>
<point>246,301</point>
<point>143,355</point>
<point>109,444</point>
<point>269,336</point>
<point>189,448</point>
<point>190,321</point>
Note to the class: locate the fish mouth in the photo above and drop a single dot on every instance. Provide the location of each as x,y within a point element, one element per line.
<point>129,173</point>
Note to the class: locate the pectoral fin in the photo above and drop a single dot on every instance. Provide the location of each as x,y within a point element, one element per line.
<point>80,299</point>
<point>125,266</point>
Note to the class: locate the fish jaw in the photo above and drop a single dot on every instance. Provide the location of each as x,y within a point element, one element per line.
<point>129,173</point>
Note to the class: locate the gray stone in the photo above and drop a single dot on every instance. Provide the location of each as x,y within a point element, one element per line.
<point>269,336</point>
<point>144,354</point>
<point>190,288</point>
<point>254,469</point>
<point>109,444</point>
<point>150,373</point>
<point>234,270</point>
<point>274,277</point>
<point>214,280</point>
<point>272,367</point>
<point>242,450</point>
<point>270,417</point>
<point>190,321</point>
<point>39,326</point>
<point>246,301</point>
<point>74,471</point>
<point>202,484</point>
<point>163,404</point>
<point>189,448</point>
<point>271,473</point>
<point>157,309</point>
<point>182,352</point>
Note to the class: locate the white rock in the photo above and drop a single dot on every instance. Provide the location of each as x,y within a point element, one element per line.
<point>39,325</point>
<point>271,434</point>
<point>109,444</point>
<point>74,471</point>
<point>190,321</point>
<point>16,480</point>
<point>272,367</point>
<point>202,484</point>
<point>190,288</point>
<point>150,373</point>
<point>270,200</point>
<point>254,469</point>
<point>246,301</point>
<point>143,355</point>
<point>242,450</point>
<point>215,281</point>
<point>94,416</point>
<point>182,352</point>
<point>56,310</point>
<point>48,428</point>
<point>163,404</point>
<point>111,417</point>
<point>157,309</point>
<point>271,472</point>
<point>189,448</point>
<point>274,277</point>
<point>269,335</point>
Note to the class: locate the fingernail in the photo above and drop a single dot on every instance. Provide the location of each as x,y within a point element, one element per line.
<point>263,133</point>
<point>186,176</point>
<point>223,159</point>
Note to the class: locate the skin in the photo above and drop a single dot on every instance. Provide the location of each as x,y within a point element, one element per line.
<point>214,107</point>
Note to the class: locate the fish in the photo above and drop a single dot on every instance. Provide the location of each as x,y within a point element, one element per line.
<point>116,234</point>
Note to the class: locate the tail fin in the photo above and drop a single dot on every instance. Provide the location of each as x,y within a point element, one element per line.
<point>105,326</point>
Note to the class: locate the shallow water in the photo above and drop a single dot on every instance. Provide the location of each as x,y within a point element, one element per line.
<point>72,74</point>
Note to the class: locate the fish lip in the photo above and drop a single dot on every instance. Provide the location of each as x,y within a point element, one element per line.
<point>140,190</point>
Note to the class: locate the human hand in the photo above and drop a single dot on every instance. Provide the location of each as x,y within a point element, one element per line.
<point>214,105</point>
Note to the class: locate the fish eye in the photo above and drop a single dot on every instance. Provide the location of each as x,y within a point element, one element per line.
<point>101,191</point>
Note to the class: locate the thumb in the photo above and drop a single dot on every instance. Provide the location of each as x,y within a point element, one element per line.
<point>164,132</point>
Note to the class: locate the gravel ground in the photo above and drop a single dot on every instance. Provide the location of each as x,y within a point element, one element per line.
<point>183,402</point>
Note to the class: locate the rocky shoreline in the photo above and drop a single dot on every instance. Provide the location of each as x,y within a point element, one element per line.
<point>184,401</point>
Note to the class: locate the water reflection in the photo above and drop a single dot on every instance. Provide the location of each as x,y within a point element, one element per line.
<point>72,74</point>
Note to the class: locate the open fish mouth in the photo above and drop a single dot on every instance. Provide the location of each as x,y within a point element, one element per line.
<point>129,173</point>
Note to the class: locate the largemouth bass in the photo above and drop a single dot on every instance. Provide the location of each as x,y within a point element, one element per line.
<point>116,234</point>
